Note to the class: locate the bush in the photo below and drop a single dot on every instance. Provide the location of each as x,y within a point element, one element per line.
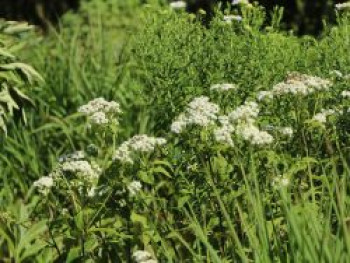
<point>177,58</point>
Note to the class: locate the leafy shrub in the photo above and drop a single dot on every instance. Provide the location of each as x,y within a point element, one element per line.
<point>177,58</point>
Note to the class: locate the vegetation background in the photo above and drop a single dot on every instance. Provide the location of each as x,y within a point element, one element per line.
<point>199,201</point>
<point>303,16</point>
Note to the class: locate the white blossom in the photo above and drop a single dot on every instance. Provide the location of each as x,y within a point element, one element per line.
<point>300,84</point>
<point>223,87</point>
<point>229,18</point>
<point>99,111</point>
<point>321,117</point>
<point>262,95</point>
<point>178,5</point>
<point>82,169</point>
<point>280,181</point>
<point>342,6</point>
<point>286,131</point>
<point>200,111</point>
<point>223,134</point>
<point>240,2</point>
<point>251,133</point>
<point>99,118</point>
<point>44,184</point>
<point>345,94</point>
<point>245,112</point>
<point>138,143</point>
<point>134,187</point>
<point>142,256</point>
<point>92,192</point>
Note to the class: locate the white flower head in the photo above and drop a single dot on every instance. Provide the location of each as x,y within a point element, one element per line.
<point>322,116</point>
<point>245,112</point>
<point>134,187</point>
<point>83,169</point>
<point>240,2</point>
<point>262,95</point>
<point>223,134</point>
<point>252,134</point>
<point>229,18</point>
<point>345,94</point>
<point>44,184</point>
<point>280,182</point>
<point>286,131</point>
<point>137,144</point>
<point>223,87</point>
<point>301,84</point>
<point>100,112</point>
<point>178,5</point>
<point>142,256</point>
<point>200,111</point>
<point>342,6</point>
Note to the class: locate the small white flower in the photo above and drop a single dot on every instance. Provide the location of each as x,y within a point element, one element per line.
<point>262,95</point>
<point>92,192</point>
<point>223,134</point>
<point>142,256</point>
<point>240,2</point>
<point>178,5</point>
<point>322,116</point>
<point>229,18</point>
<point>200,111</point>
<point>223,87</point>
<point>134,187</point>
<point>246,112</point>
<point>99,118</point>
<point>287,131</point>
<point>253,135</point>
<point>300,84</point>
<point>280,181</point>
<point>345,94</point>
<point>44,184</point>
<point>82,169</point>
<point>138,143</point>
<point>342,6</point>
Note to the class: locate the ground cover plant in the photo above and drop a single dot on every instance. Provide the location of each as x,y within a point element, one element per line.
<point>180,142</point>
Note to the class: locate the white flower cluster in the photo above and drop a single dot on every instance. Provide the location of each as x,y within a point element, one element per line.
<point>345,94</point>
<point>223,134</point>
<point>82,169</point>
<point>199,112</point>
<point>240,2</point>
<point>251,133</point>
<point>143,256</point>
<point>245,112</point>
<point>44,184</point>
<point>280,181</point>
<point>262,95</point>
<point>286,131</point>
<point>138,143</point>
<point>229,18</point>
<point>100,111</point>
<point>134,187</point>
<point>223,87</point>
<point>322,116</point>
<point>296,84</point>
<point>342,6</point>
<point>178,5</point>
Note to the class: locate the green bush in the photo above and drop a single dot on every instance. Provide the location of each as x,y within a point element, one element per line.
<point>176,58</point>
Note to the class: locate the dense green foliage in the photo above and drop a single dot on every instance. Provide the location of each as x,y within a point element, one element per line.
<point>256,170</point>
